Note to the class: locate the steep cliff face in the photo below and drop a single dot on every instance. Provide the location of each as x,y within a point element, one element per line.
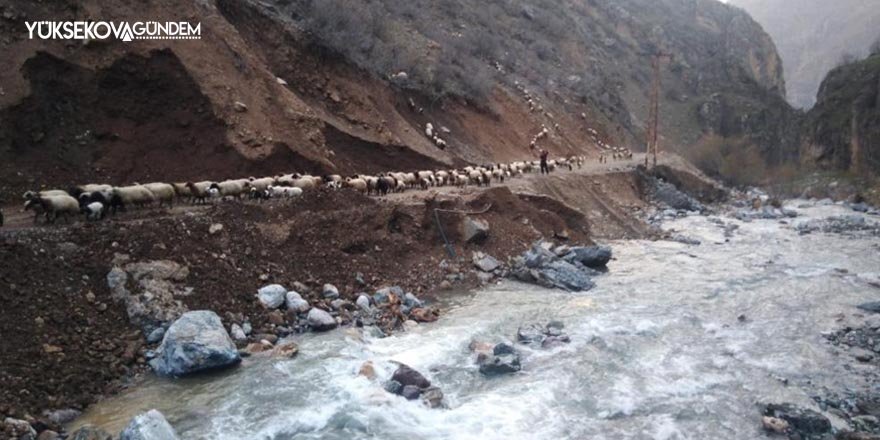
<point>842,132</point>
<point>813,35</point>
<point>337,86</point>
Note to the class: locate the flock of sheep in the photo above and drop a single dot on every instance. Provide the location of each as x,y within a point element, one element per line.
<point>95,201</point>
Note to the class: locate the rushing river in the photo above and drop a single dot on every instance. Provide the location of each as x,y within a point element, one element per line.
<point>658,351</point>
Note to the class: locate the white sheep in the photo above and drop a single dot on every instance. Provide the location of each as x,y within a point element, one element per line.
<point>46,193</point>
<point>55,206</point>
<point>94,211</point>
<point>357,184</point>
<point>199,190</point>
<point>284,191</point>
<point>429,130</point>
<point>163,192</point>
<point>136,195</point>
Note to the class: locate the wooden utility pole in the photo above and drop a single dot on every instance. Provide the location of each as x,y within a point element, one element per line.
<point>652,132</point>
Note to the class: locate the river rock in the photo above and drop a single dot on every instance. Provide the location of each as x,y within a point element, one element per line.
<point>410,392</point>
<point>393,387</point>
<point>485,263</point>
<point>150,425</point>
<point>286,348</point>
<point>156,335</point>
<point>48,435</point>
<point>195,342</point>
<point>432,397</point>
<point>474,230</point>
<point>406,375</point>
<point>367,370</point>
<point>566,276</point>
<point>530,334</point>
<point>62,416</point>
<point>804,422</point>
<point>89,432</point>
<point>237,333</point>
<point>774,425</point>
<point>149,291</point>
<point>383,295</point>
<point>330,292</point>
<point>423,315</point>
<point>272,296</point>
<point>296,303</point>
<point>504,360</point>
<point>411,300</point>
<point>872,307</point>
<point>321,320</point>
<point>590,256</point>
<point>20,429</point>
<point>363,302</point>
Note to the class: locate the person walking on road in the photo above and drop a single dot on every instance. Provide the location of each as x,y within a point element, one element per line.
<point>544,168</point>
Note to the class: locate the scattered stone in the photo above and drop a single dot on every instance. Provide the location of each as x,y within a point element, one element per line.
<point>485,263</point>
<point>410,392</point>
<point>48,435</point>
<point>872,307</point>
<point>320,320</point>
<point>62,416</point>
<point>432,397</point>
<point>405,375</point>
<point>474,230</point>
<point>368,370</point>
<point>530,334</point>
<point>393,387</point>
<point>150,425</point>
<point>285,349</point>
<point>804,422</point>
<point>149,291</point>
<point>239,106</point>
<point>215,228</point>
<point>195,342</point>
<point>504,360</point>
<point>19,429</point>
<point>272,296</point>
<point>774,425</point>
<point>423,315</point>
<point>237,333</point>
<point>156,335</point>
<point>590,256</point>
<point>330,292</point>
<point>411,300</point>
<point>363,302</point>
<point>296,303</point>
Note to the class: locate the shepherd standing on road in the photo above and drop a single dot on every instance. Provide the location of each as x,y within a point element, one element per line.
<point>544,168</point>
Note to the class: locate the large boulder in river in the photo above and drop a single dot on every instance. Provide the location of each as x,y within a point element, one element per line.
<point>805,423</point>
<point>504,360</point>
<point>406,375</point>
<point>150,425</point>
<point>195,342</point>
<point>564,275</point>
<point>873,307</point>
<point>590,256</point>
<point>321,320</point>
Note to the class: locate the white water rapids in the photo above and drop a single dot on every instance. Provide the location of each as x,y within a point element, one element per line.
<point>657,352</point>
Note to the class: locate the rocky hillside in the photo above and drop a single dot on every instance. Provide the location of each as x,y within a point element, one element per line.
<point>813,36</point>
<point>842,131</point>
<point>323,86</point>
